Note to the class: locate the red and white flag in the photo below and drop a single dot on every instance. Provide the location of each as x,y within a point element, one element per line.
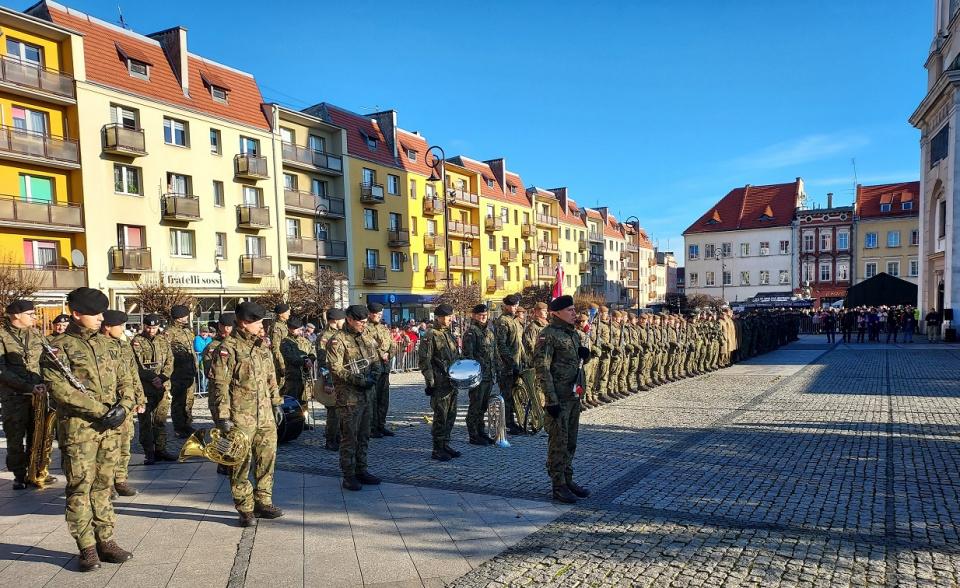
<point>558,285</point>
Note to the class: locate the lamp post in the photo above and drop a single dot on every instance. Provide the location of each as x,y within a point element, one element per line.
<point>318,212</point>
<point>723,270</point>
<point>635,223</point>
<point>438,172</point>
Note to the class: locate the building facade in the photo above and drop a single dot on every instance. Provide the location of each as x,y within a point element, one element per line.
<point>825,252</point>
<point>888,231</point>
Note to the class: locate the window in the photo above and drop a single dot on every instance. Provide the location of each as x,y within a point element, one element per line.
<point>127,118</point>
<point>505,218</point>
<point>491,243</point>
<point>870,269</point>
<point>252,196</point>
<point>33,121</point>
<point>181,243</point>
<point>413,225</point>
<point>893,268</point>
<point>941,219</point>
<point>215,142</point>
<point>29,54</point>
<point>321,231</point>
<point>727,278</point>
<point>826,241</point>
<point>40,254</point>
<point>914,238</point>
<point>694,279</point>
<point>396,261</point>
<point>393,184</point>
<point>126,180</point>
<point>179,184</point>
<point>906,205</point>
<point>808,242</point>
<point>131,237</point>
<point>784,277</point>
<point>294,270</point>
<point>825,272</point>
<point>289,181</point>
<point>764,277</point>
<point>396,221</point>
<point>318,187</point>
<point>870,241</point>
<point>843,241</point>
<point>489,183</point>
<point>220,247</point>
<point>764,247</point>
<point>218,94</point>
<point>411,155</point>
<point>939,145</point>
<point>138,69</point>
<point>843,272</point>
<point>784,247</point>
<point>744,250</point>
<point>726,249</point>
<point>369,176</point>
<point>914,268</point>
<point>893,238</point>
<point>809,271</point>
<point>711,279</point>
<point>709,251</point>
<point>513,189</point>
<point>293,228</point>
<point>744,278</point>
<point>256,246</point>
<point>36,188</point>
<point>693,252</point>
<point>370,141</point>
<point>415,262</point>
<point>885,207</point>
<point>249,146</point>
<point>413,190</point>
<point>370,220</point>
<point>373,258</point>
<point>174,132</point>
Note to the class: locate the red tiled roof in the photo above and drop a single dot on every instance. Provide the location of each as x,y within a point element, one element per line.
<point>593,213</point>
<point>611,228</point>
<point>644,240</point>
<point>102,44</point>
<point>414,142</point>
<point>356,143</point>
<point>211,78</point>
<point>515,181</point>
<point>541,193</point>
<point>869,199</point>
<point>496,192</point>
<point>573,217</point>
<point>745,208</point>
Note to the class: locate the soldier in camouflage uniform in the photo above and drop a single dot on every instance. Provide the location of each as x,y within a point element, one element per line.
<point>155,364</point>
<point>129,384</point>
<point>633,359</point>
<point>21,346</point>
<point>590,368</point>
<point>532,331</point>
<point>185,368</point>
<point>224,327</point>
<point>243,390</point>
<point>626,350</point>
<point>558,358</point>
<point>354,388</point>
<point>644,381</point>
<point>278,330</point>
<point>480,346</point>
<point>380,333</point>
<point>331,430</point>
<point>602,324</point>
<point>437,352</point>
<point>508,331</point>
<point>90,408</point>
<point>298,357</point>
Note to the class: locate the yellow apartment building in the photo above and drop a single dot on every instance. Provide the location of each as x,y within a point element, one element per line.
<point>630,293</point>
<point>41,212</point>
<point>573,241</point>
<point>887,229</point>
<point>546,228</point>
<point>648,269</point>
<point>596,277</point>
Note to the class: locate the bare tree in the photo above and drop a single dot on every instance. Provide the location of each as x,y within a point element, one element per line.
<point>269,295</point>
<point>17,282</point>
<point>704,301</point>
<point>317,292</point>
<point>533,294</point>
<point>155,295</point>
<point>582,302</point>
<point>462,297</point>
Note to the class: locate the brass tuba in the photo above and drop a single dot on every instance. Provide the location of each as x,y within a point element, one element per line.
<point>496,420</point>
<point>229,450</point>
<point>41,443</point>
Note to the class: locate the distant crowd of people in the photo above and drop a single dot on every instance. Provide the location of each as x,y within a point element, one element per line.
<point>880,324</point>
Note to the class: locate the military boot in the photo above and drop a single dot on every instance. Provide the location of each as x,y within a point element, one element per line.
<point>578,490</point>
<point>247,519</point>
<point>223,470</point>
<point>149,457</point>
<point>110,552</point>
<point>351,483</point>
<point>440,455</point>
<point>368,478</point>
<point>451,451</point>
<point>20,483</point>
<point>268,511</point>
<point>125,489</point>
<point>162,455</point>
<point>332,445</point>
<point>89,560</point>
<point>563,494</point>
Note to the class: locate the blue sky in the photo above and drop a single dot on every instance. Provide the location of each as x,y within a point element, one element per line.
<point>654,108</point>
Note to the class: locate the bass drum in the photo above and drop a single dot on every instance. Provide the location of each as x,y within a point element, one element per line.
<point>528,407</point>
<point>292,423</point>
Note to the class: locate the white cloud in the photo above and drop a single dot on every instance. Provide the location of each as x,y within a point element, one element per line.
<point>805,149</point>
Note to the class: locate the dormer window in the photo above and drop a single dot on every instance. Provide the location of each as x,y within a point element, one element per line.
<point>138,69</point>
<point>907,205</point>
<point>370,141</point>
<point>411,155</point>
<point>217,86</point>
<point>513,189</point>
<point>219,94</point>
<point>489,183</point>
<point>137,62</point>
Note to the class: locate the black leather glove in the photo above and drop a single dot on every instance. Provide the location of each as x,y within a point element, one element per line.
<point>583,353</point>
<point>369,383</point>
<point>114,417</point>
<point>312,357</point>
<point>553,410</point>
<point>226,425</point>
<point>429,390</point>
<point>278,414</point>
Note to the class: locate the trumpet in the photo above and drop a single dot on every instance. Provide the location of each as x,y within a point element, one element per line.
<point>358,365</point>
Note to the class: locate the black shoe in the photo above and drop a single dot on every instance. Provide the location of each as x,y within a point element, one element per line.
<point>351,483</point>
<point>89,560</point>
<point>578,490</point>
<point>332,445</point>
<point>440,455</point>
<point>162,455</point>
<point>223,470</point>
<point>49,480</point>
<point>149,457</point>
<point>451,451</point>
<point>184,433</point>
<point>247,519</point>
<point>564,495</point>
<point>19,483</point>
<point>376,434</point>
<point>268,511</point>
<point>514,429</point>
<point>490,440</point>
<point>478,440</point>
<point>386,432</point>
<point>367,478</point>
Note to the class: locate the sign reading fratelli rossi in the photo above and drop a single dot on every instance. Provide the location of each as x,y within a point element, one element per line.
<point>193,279</point>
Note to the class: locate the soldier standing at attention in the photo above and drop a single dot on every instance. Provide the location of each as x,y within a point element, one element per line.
<point>84,381</point>
<point>224,327</point>
<point>60,325</point>
<point>335,320</point>
<point>480,346</point>
<point>155,362</point>
<point>380,333</point>
<point>557,356</point>
<point>129,384</point>
<point>244,393</point>
<point>277,332</point>
<point>184,377</point>
<point>509,333</point>
<point>602,324</point>
<point>297,356</point>
<point>354,387</point>
<point>438,351</point>
<point>21,346</point>
<point>532,331</point>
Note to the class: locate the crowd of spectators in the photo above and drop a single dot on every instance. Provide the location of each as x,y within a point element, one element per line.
<point>875,324</point>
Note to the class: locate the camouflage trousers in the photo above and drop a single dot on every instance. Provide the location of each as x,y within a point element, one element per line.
<point>261,458</point>
<point>616,366</point>
<point>355,422</point>
<point>123,454</point>
<point>602,375</point>
<point>643,375</point>
<point>562,442</point>
<point>444,415</point>
<point>331,429</point>
<point>479,402</point>
<point>181,403</point>
<point>624,372</point>
<point>89,467</point>
<point>381,399</point>
<point>633,372</point>
<point>17,413</point>
<point>153,421</point>
<point>506,383</point>
<point>296,390</point>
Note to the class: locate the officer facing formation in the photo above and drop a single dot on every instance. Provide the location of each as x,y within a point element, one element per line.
<point>509,334</point>
<point>380,333</point>
<point>331,430</point>
<point>438,351</point>
<point>60,324</point>
<point>180,338</point>
<point>480,346</point>
<point>155,363</point>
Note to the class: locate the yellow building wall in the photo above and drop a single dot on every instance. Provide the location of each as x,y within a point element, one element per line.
<point>467,215</point>
<point>12,240</point>
<point>571,246</point>
<point>513,281</point>
<point>883,254</point>
<point>546,258</point>
<point>420,256</point>
<point>51,51</point>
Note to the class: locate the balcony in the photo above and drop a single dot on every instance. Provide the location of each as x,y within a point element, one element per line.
<point>545,220</point>
<point>548,246</point>
<point>130,260</point>
<point>494,224</point>
<point>464,198</point>
<point>527,230</point>
<point>310,159</point>
<point>256,266</point>
<point>527,283</point>
<point>432,206</point>
<point>253,217</point>
<point>544,271</point>
<point>120,140</point>
<point>624,255</point>
<point>432,277</point>
<point>528,257</point>
<point>582,245</point>
<point>584,267</point>
<point>508,256</point>
<point>596,258</point>
<point>595,237</point>
<point>652,296</point>
<point>307,202</point>
<point>398,238</point>
<point>376,274</point>
<point>433,242</point>
<point>322,248</point>
<point>250,167</point>
<point>596,280</point>
<point>652,279</point>
<point>30,79</point>
<point>181,207</point>
<point>51,216</point>
<point>652,262</point>
<point>464,261</point>
<point>462,229</point>
<point>34,147</point>
<point>633,247</point>
<point>371,193</point>
<point>633,284</point>
<point>494,284</point>
<point>50,277</point>
<point>632,265</point>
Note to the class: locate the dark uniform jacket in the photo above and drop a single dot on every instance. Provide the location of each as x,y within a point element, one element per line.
<point>243,384</point>
<point>20,351</point>
<point>295,350</point>
<point>154,358</point>
<point>180,338</point>
<point>348,345</point>
<point>480,346</point>
<point>509,333</point>
<point>557,362</point>
<point>437,352</point>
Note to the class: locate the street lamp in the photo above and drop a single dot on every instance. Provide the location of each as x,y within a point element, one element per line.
<point>723,267</point>
<point>438,172</point>
<point>318,212</point>
<point>636,231</point>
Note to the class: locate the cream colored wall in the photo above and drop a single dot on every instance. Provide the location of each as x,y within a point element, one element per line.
<point>883,254</point>
<point>571,246</point>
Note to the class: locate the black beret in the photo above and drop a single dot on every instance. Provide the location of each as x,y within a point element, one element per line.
<point>18,306</point>
<point>480,308</point>
<point>151,320</point>
<point>179,311</point>
<point>281,308</point>
<point>335,314</point>
<point>511,299</point>
<point>112,318</point>
<point>61,318</point>
<point>294,323</point>
<point>374,307</point>
<point>87,301</point>
<point>443,310</point>
<point>227,319</point>
<point>561,303</point>
<point>357,312</point>
<point>252,312</point>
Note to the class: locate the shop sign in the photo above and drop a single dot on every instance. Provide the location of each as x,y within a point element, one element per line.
<point>193,280</point>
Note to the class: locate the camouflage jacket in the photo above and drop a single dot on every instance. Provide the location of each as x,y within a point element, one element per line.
<point>348,345</point>
<point>617,339</point>
<point>602,336</point>
<point>180,338</point>
<point>557,362</point>
<point>20,351</point>
<point>633,341</point>
<point>295,350</point>
<point>671,337</point>
<point>322,341</point>
<point>508,331</point>
<point>480,346</point>
<point>94,362</point>
<point>208,352</point>
<point>530,335</point>
<point>437,352</point>
<point>277,332</point>
<point>243,385</point>
<point>154,358</point>
<point>380,333</point>
<point>129,375</point>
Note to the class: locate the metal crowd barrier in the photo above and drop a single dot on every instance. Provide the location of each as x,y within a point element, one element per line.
<point>404,358</point>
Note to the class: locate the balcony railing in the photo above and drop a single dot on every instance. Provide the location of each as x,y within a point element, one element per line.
<point>596,258</point>
<point>256,266</point>
<point>508,256</point>
<point>333,207</point>
<point>547,220</point>
<point>633,283</point>
<point>584,267</point>
<point>527,230</point>
<point>130,260</point>
<point>633,247</point>
<point>183,207</point>
<point>305,156</point>
<point>371,193</point>
<point>253,217</point>
<point>597,237</point>
<point>251,167</point>
<point>433,242</point>
<point>582,244</point>
<point>527,257</point>
<point>22,143</point>
<point>494,224</point>
<point>548,246</point>
<point>494,284</point>
<point>324,248</point>
<point>546,271</point>
<point>596,280</point>
<point>463,229</point>
<point>376,274</point>
<point>50,277</point>
<point>624,255</point>
<point>13,209</point>
<point>36,77</point>
<point>120,140</point>
<point>432,206</point>
<point>464,261</point>
<point>398,238</point>
<point>653,278</point>
<point>432,277</point>
<point>464,198</point>
<point>652,262</point>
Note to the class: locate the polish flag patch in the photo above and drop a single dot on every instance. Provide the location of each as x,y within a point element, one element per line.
<point>334,342</point>
<point>224,353</point>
